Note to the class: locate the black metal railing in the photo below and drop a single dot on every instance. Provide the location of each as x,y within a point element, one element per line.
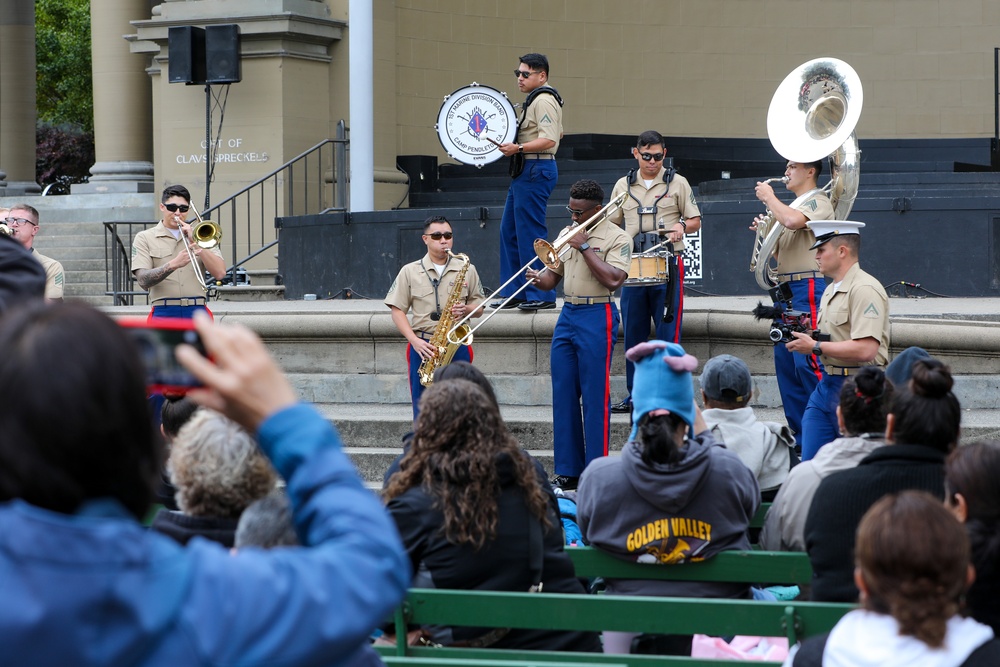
<point>312,182</point>
<point>118,279</point>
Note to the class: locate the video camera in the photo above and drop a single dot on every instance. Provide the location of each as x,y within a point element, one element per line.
<point>784,318</point>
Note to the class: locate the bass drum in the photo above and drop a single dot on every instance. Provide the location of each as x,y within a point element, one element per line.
<point>471,119</point>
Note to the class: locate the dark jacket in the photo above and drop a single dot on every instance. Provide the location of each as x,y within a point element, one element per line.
<point>669,513</point>
<point>844,497</point>
<point>501,565</point>
<point>182,527</point>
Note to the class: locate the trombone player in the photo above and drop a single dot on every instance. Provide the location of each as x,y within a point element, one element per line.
<point>585,334</point>
<point>797,374</point>
<point>162,264</point>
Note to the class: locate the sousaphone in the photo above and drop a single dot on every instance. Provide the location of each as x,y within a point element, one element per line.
<point>813,115</point>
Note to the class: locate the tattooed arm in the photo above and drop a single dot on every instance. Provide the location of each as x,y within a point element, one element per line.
<point>149,277</point>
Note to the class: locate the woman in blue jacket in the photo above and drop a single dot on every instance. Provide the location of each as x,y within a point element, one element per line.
<point>83,583</point>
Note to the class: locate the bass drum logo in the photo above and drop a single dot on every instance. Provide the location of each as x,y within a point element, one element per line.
<point>473,122</point>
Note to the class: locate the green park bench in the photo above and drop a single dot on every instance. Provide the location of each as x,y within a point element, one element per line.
<point>718,617</point>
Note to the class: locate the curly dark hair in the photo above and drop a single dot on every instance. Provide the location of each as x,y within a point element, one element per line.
<point>914,559</point>
<point>658,438</point>
<point>587,190</point>
<point>458,440</point>
<point>865,400</point>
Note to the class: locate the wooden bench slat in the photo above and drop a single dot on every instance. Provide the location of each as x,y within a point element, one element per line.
<point>772,567</point>
<point>626,614</point>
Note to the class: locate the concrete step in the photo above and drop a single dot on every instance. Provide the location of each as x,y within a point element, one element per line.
<point>372,433</point>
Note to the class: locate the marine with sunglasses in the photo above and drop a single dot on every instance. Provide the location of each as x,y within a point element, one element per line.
<point>533,172</point>
<point>161,265</point>
<point>660,209</point>
<point>423,287</point>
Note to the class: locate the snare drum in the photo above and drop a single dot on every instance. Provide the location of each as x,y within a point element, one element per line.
<point>472,122</point>
<point>648,270</point>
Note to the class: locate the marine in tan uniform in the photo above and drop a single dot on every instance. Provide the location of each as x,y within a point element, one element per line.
<point>534,174</point>
<point>161,264</point>
<point>798,374</point>
<point>422,288</point>
<point>854,312</point>
<point>23,222</point>
<point>660,208</point>
<point>585,334</point>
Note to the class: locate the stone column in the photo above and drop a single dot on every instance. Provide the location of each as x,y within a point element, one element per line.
<point>123,108</point>
<point>17,98</point>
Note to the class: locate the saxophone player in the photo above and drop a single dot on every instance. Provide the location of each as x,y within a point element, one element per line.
<point>798,374</point>
<point>423,288</point>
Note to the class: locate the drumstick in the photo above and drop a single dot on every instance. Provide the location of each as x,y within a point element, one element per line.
<point>494,142</point>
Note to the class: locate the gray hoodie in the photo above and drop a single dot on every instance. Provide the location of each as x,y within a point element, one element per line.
<point>669,513</point>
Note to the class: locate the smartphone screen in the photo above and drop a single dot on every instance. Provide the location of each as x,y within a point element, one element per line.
<point>157,339</point>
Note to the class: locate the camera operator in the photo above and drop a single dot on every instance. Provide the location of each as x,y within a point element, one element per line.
<point>854,311</point>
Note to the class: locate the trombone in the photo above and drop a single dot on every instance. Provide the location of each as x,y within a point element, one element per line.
<point>550,254</point>
<point>206,234</point>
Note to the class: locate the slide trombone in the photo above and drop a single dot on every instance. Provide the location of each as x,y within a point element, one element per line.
<point>206,234</point>
<point>550,254</point>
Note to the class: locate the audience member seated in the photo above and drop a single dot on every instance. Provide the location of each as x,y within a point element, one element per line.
<point>912,568</point>
<point>922,427</point>
<point>217,470</point>
<point>865,399</point>
<point>972,493</point>
<point>267,523</point>
<point>176,412</point>
<point>475,512</point>
<point>671,497</point>
<point>461,370</point>
<point>85,583</point>
<point>767,448</point>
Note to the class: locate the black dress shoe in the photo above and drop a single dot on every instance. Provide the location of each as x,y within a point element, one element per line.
<point>625,407</point>
<point>513,303</point>
<point>537,305</point>
<point>565,483</point>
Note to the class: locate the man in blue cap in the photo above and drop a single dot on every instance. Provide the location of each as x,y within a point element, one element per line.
<point>854,312</point>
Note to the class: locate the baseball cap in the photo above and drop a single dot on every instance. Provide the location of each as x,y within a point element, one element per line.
<point>727,378</point>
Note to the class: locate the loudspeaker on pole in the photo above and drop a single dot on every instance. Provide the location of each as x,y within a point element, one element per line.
<point>222,54</point>
<point>186,54</point>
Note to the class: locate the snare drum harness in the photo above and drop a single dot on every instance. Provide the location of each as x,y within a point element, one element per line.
<point>638,243</point>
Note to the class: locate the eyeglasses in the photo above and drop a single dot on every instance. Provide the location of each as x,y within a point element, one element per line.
<point>655,157</point>
<point>19,221</point>
<point>524,74</point>
<point>576,213</point>
<point>437,236</point>
<point>173,208</point>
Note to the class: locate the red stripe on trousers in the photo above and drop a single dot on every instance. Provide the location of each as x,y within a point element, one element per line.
<point>609,323</point>
<point>680,298</point>
<point>812,315</point>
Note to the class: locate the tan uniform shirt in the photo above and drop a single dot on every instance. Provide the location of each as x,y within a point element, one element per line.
<point>414,289</point>
<point>678,203</point>
<point>792,250</point>
<point>53,276</point>
<point>612,244</point>
<point>542,119</point>
<point>152,248</point>
<point>857,308</point>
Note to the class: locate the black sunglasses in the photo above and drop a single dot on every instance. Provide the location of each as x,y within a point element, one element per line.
<point>173,208</point>
<point>437,236</point>
<point>655,157</point>
<point>523,74</point>
<point>573,211</point>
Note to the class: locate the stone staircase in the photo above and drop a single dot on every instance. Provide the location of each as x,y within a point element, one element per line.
<point>346,357</point>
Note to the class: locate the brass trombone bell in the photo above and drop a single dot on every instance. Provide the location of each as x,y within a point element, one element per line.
<point>550,253</point>
<point>206,233</point>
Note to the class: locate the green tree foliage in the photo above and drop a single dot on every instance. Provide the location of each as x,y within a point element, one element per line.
<point>62,48</point>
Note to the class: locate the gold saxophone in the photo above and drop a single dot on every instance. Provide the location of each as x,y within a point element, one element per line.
<point>443,347</point>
